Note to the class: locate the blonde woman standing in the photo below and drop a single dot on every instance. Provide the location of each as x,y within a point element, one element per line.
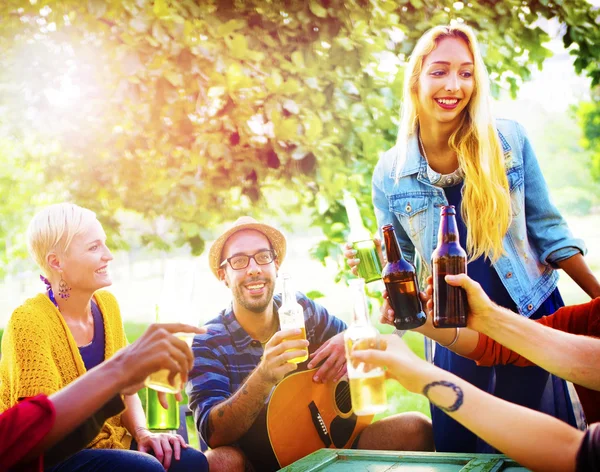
<point>450,151</point>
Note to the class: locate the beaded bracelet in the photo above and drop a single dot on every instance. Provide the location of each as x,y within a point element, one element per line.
<point>456,335</point>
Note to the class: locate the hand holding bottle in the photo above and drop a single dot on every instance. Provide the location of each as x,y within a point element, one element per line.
<point>481,308</point>
<point>400,278</point>
<point>364,248</point>
<point>352,256</point>
<point>281,349</point>
<point>450,306</point>
<point>388,315</point>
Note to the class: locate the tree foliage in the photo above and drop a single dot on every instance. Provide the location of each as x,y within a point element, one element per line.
<point>191,113</point>
<point>588,114</point>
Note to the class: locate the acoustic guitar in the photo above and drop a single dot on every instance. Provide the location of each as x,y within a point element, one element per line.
<point>303,416</point>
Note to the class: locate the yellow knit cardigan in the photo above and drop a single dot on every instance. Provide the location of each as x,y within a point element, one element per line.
<point>39,355</point>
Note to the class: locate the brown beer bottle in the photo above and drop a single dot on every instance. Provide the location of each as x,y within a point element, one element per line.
<point>450,306</point>
<point>400,280</point>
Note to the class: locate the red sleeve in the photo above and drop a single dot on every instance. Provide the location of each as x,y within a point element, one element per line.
<point>488,352</point>
<point>581,319</point>
<point>22,427</point>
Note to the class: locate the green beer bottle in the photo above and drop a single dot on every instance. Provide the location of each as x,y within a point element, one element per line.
<point>159,418</point>
<point>370,265</point>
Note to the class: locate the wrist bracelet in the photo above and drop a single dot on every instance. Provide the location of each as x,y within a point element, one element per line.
<point>456,335</point>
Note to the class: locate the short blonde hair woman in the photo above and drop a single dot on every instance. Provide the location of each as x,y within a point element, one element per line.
<point>55,337</point>
<point>451,151</point>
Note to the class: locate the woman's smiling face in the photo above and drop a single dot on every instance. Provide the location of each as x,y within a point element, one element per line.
<point>446,82</point>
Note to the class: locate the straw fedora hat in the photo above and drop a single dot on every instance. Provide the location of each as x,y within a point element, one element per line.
<point>275,237</point>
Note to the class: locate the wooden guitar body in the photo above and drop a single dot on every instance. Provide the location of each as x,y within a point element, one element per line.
<point>303,416</point>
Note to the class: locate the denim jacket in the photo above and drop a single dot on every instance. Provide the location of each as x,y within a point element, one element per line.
<point>538,236</point>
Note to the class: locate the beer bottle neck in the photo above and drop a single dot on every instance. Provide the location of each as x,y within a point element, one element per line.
<point>289,294</point>
<point>392,249</point>
<point>358,232</point>
<point>448,230</point>
<point>360,312</point>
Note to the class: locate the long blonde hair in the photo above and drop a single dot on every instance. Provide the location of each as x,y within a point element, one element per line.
<point>486,204</point>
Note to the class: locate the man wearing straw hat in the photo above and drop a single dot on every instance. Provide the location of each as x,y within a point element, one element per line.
<point>244,355</point>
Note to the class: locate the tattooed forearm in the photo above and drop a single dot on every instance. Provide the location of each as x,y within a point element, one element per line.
<point>439,390</point>
<point>232,418</point>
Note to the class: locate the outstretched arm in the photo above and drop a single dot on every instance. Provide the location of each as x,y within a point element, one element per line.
<point>123,373</point>
<point>533,439</point>
<point>569,356</point>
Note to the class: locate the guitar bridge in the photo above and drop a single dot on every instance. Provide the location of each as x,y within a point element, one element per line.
<point>319,424</point>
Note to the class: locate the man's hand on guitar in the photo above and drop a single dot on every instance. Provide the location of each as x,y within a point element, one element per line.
<point>278,352</point>
<point>333,352</point>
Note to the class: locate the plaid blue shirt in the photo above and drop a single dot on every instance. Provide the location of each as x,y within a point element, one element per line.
<point>226,355</point>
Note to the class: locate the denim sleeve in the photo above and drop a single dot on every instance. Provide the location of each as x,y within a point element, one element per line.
<point>546,227</point>
<point>562,254</point>
<point>383,214</point>
<point>208,384</point>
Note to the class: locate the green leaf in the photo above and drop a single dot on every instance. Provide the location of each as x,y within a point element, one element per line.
<point>291,86</point>
<point>314,294</point>
<point>225,29</point>
<point>313,128</point>
<point>236,78</point>
<point>237,44</point>
<point>287,129</point>
<point>317,9</point>
<point>298,59</point>
<point>161,9</point>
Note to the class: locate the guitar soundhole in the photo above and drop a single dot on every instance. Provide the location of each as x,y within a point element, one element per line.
<point>342,397</point>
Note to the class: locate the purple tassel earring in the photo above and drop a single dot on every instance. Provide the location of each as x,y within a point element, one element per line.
<point>63,289</point>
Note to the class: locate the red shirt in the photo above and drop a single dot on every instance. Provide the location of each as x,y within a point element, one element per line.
<point>22,427</point>
<point>581,319</point>
<point>588,456</point>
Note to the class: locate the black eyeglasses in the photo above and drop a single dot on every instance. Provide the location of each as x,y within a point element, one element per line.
<point>241,261</point>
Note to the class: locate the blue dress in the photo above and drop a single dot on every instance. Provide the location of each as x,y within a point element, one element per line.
<point>531,387</point>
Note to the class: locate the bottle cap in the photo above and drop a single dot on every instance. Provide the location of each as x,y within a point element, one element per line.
<point>448,210</point>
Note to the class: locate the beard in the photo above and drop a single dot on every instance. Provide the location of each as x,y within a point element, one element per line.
<point>253,304</point>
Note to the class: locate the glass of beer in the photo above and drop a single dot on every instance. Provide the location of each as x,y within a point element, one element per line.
<point>159,380</point>
<point>175,306</point>
<point>367,382</point>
